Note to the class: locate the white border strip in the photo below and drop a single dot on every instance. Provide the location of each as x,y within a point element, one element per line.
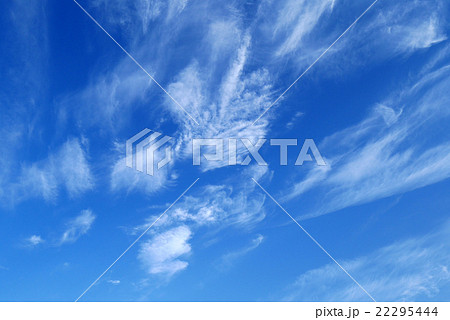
<point>221,310</point>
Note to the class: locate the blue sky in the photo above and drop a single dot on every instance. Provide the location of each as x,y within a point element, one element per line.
<point>376,104</point>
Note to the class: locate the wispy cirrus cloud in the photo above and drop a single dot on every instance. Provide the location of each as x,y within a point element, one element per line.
<point>226,107</point>
<point>390,30</point>
<point>221,206</point>
<point>66,168</point>
<point>77,227</point>
<point>108,101</point>
<point>378,157</point>
<point>228,259</point>
<point>216,89</point>
<point>111,98</point>
<point>407,28</point>
<point>127,179</point>
<point>24,89</point>
<point>225,91</point>
<point>303,30</point>
<point>218,206</point>
<point>415,269</point>
<point>72,231</point>
<point>296,20</point>
<point>137,15</point>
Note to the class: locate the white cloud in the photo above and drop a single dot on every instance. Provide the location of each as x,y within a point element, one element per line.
<point>241,99</point>
<point>22,97</point>
<point>129,179</point>
<point>215,88</point>
<point>227,260</point>
<point>410,29</point>
<point>219,205</point>
<point>162,253</point>
<point>301,32</point>
<point>74,229</point>
<point>77,227</point>
<point>214,205</point>
<point>72,169</point>
<point>224,37</point>
<point>114,282</point>
<point>294,119</point>
<point>137,15</point>
<point>409,270</point>
<point>108,100</point>
<point>212,208</point>
<point>389,30</point>
<point>66,168</point>
<point>34,240</point>
<point>297,19</point>
<point>421,36</point>
<point>378,157</point>
<point>223,92</point>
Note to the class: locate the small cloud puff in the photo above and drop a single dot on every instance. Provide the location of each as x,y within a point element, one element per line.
<point>161,254</point>
<point>34,240</point>
<point>78,226</point>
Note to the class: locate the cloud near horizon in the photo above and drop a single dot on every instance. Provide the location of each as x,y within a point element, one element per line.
<point>415,269</point>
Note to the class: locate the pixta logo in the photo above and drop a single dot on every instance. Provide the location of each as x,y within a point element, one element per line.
<point>142,148</point>
<point>229,147</point>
